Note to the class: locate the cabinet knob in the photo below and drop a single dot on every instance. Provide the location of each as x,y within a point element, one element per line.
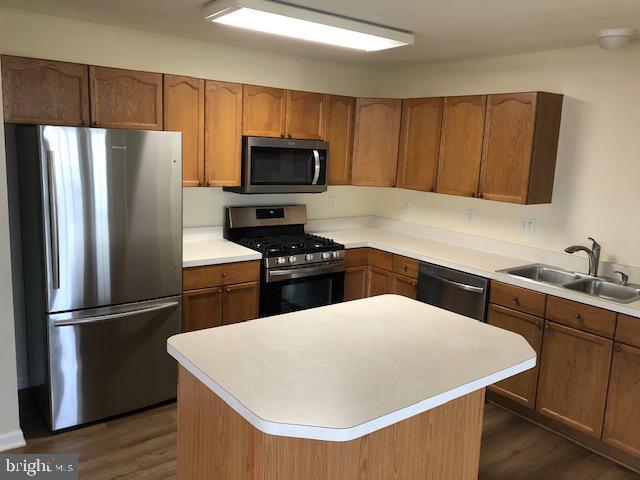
<point>546,325</point>
<point>577,316</point>
<point>618,348</point>
<point>219,290</point>
<point>404,267</point>
<point>228,289</point>
<point>224,274</point>
<point>516,300</point>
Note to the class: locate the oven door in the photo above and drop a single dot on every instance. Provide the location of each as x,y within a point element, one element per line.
<point>274,165</point>
<point>293,289</point>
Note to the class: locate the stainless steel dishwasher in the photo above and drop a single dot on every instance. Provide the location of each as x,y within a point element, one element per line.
<point>452,290</point>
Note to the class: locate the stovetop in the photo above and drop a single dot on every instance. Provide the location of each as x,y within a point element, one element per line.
<point>283,245</point>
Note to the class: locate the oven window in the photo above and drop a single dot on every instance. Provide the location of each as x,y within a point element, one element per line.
<point>301,293</point>
<point>285,166</point>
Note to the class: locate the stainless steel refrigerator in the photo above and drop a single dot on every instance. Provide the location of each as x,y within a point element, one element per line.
<point>101,226</point>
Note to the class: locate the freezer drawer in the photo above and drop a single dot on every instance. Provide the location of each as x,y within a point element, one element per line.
<point>111,360</point>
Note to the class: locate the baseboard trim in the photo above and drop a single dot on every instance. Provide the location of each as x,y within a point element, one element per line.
<point>11,440</point>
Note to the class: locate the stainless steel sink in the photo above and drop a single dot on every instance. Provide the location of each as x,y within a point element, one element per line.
<point>607,290</point>
<point>544,274</point>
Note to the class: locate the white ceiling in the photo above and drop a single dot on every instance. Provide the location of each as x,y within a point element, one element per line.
<point>445,30</point>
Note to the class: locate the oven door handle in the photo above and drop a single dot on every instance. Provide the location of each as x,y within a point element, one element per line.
<point>301,272</point>
<point>316,175</point>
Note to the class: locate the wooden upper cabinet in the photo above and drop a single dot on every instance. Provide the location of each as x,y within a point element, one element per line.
<point>263,111</point>
<point>622,418</point>
<point>419,143</point>
<point>574,375</point>
<point>338,131</point>
<point>45,92</point>
<point>184,112</point>
<point>520,146</point>
<point>522,387</point>
<point>461,145</point>
<point>223,133</point>
<point>305,115</point>
<point>375,144</point>
<point>125,98</point>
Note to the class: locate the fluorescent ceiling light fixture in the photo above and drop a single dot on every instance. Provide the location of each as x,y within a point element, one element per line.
<point>306,24</point>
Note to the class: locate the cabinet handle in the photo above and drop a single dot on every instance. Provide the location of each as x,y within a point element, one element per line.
<point>516,300</point>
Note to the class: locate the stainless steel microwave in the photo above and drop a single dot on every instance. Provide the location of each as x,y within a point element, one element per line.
<point>283,165</point>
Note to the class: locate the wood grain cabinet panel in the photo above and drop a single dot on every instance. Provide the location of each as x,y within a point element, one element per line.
<point>184,112</point>
<point>406,266</point>
<point>202,309</point>
<point>628,330</point>
<point>38,91</point>
<point>419,143</point>
<point>520,145</point>
<point>522,387</point>
<point>375,144</point>
<point>263,111</point>
<point>583,317</point>
<point>378,282</point>
<point>305,115</point>
<point>461,145</point>
<point>574,375</point>
<point>356,257</point>
<point>240,302</point>
<point>518,298</point>
<point>380,259</point>
<point>223,274</point>
<point>355,283</point>
<point>338,131</point>
<point>405,286</point>
<point>223,133</point>
<point>622,418</point>
<point>125,98</point>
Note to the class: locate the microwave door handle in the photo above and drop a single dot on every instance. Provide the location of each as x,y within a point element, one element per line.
<point>316,175</point>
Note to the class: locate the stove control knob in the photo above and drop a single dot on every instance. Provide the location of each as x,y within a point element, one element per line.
<point>326,255</point>
<point>292,259</point>
<point>335,254</point>
<point>281,260</point>
<point>308,257</point>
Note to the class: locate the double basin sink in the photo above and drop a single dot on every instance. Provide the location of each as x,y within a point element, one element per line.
<point>599,287</point>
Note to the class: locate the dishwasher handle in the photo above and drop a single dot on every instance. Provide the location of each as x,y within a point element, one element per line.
<point>462,286</point>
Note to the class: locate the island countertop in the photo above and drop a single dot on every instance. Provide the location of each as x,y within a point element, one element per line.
<point>342,371</point>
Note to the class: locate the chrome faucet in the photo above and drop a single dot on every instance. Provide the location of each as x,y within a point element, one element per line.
<point>593,252</point>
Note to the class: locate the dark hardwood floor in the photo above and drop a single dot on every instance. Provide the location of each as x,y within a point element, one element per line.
<point>142,446</point>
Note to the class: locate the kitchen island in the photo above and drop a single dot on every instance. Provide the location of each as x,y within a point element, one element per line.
<point>376,389</point>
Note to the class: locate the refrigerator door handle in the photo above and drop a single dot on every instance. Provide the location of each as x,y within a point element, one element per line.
<point>53,222</point>
<point>113,316</point>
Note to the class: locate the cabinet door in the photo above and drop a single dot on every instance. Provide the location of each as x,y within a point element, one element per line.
<point>508,144</point>
<point>201,309</point>
<point>223,133</point>
<point>338,131</point>
<point>305,115</point>
<point>419,143</point>
<point>574,374</point>
<point>520,388</point>
<point>405,286</point>
<point>45,92</point>
<point>375,144</point>
<point>184,112</point>
<point>355,283</point>
<point>240,302</point>
<point>378,282</point>
<point>125,98</point>
<point>622,418</point>
<point>461,145</point>
<point>263,111</point>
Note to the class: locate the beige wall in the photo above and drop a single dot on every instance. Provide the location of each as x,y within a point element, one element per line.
<point>598,170</point>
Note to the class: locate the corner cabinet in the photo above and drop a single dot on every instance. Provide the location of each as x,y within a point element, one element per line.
<point>184,112</point>
<point>375,143</point>
<point>38,91</point>
<point>520,146</point>
<point>263,111</point>
<point>338,131</point>
<point>125,98</point>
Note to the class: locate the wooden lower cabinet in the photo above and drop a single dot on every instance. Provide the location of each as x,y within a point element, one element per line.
<point>240,302</point>
<point>574,375</point>
<point>202,309</point>
<point>622,417</point>
<point>379,282</point>
<point>405,286</point>
<point>520,388</point>
<point>355,283</point>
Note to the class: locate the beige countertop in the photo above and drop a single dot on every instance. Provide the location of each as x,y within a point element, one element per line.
<point>342,371</point>
<point>214,251</point>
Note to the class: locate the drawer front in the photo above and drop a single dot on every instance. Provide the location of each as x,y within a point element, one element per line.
<point>520,299</point>
<point>380,259</point>
<point>356,257</point>
<point>405,266</point>
<point>223,274</point>
<point>628,330</point>
<point>581,316</point>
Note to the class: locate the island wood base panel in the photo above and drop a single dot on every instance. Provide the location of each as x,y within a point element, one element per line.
<point>214,442</point>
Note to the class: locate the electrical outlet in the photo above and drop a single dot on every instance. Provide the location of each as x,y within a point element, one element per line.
<point>528,226</point>
<point>332,203</point>
<point>406,204</point>
<point>471,217</point>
